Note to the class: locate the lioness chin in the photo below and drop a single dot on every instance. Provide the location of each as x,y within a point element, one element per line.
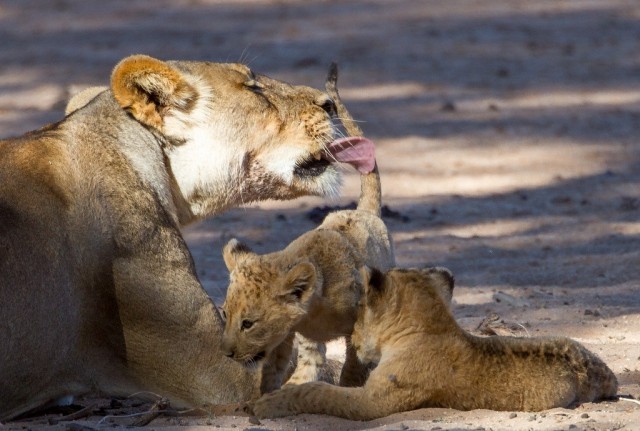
<point>98,289</point>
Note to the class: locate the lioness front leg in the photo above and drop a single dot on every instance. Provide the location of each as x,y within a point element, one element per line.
<point>322,398</point>
<point>188,370</point>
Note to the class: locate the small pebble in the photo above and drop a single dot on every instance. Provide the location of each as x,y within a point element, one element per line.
<point>503,72</point>
<point>584,416</point>
<point>513,415</point>
<point>448,106</point>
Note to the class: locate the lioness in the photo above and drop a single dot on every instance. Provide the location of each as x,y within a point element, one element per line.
<point>424,359</point>
<point>313,285</point>
<point>98,289</point>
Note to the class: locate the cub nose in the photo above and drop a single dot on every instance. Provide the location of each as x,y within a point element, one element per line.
<point>227,349</point>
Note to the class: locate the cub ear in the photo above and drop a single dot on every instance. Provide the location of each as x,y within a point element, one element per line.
<point>147,88</point>
<point>235,252</point>
<point>299,283</point>
<point>373,281</point>
<point>444,282</point>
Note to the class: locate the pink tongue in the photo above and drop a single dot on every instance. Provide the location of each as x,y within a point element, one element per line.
<point>359,152</point>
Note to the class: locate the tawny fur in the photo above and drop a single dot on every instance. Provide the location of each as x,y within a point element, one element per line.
<point>311,287</point>
<point>424,359</point>
<point>98,289</point>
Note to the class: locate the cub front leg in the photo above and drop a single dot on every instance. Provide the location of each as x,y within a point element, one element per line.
<point>354,373</point>
<point>320,398</point>
<point>275,368</point>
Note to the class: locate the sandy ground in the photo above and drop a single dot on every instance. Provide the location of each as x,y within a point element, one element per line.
<point>507,136</point>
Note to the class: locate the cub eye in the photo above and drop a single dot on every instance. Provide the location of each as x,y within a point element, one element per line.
<point>329,107</point>
<point>246,324</point>
<point>254,85</point>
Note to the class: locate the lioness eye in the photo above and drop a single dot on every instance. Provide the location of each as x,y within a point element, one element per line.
<point>246,324</point>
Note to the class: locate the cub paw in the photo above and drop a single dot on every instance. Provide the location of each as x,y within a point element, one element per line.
<point>273,405</point>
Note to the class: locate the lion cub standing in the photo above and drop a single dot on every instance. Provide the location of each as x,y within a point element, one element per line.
<point>426,360</point>
<point>311,287</point>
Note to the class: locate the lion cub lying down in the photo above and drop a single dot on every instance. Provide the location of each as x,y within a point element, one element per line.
<point>426,360</point>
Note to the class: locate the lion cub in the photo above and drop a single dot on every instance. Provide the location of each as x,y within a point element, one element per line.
<point>426,360</point>
<point>311,287</point>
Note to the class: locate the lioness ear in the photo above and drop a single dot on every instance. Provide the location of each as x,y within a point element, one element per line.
<point>147,88</point>
<point>234,252</point>
<point>299,283</point>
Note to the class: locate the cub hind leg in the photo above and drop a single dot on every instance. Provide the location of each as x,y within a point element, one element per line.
<point>311,361</point>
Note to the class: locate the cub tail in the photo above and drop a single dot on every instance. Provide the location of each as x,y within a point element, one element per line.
<point>597,381</point>
<point>370,191</point>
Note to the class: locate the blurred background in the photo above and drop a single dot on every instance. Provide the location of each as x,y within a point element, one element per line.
<point>507,133</point>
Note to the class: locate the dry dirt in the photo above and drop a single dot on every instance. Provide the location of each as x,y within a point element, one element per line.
<point>507,137</point>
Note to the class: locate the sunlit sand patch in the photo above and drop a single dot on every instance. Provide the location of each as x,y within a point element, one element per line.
<point>470,100</point>
<point>481,168</point>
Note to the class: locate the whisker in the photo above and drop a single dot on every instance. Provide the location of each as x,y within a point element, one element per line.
<point>349,119</point>
<point>243,54</point>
